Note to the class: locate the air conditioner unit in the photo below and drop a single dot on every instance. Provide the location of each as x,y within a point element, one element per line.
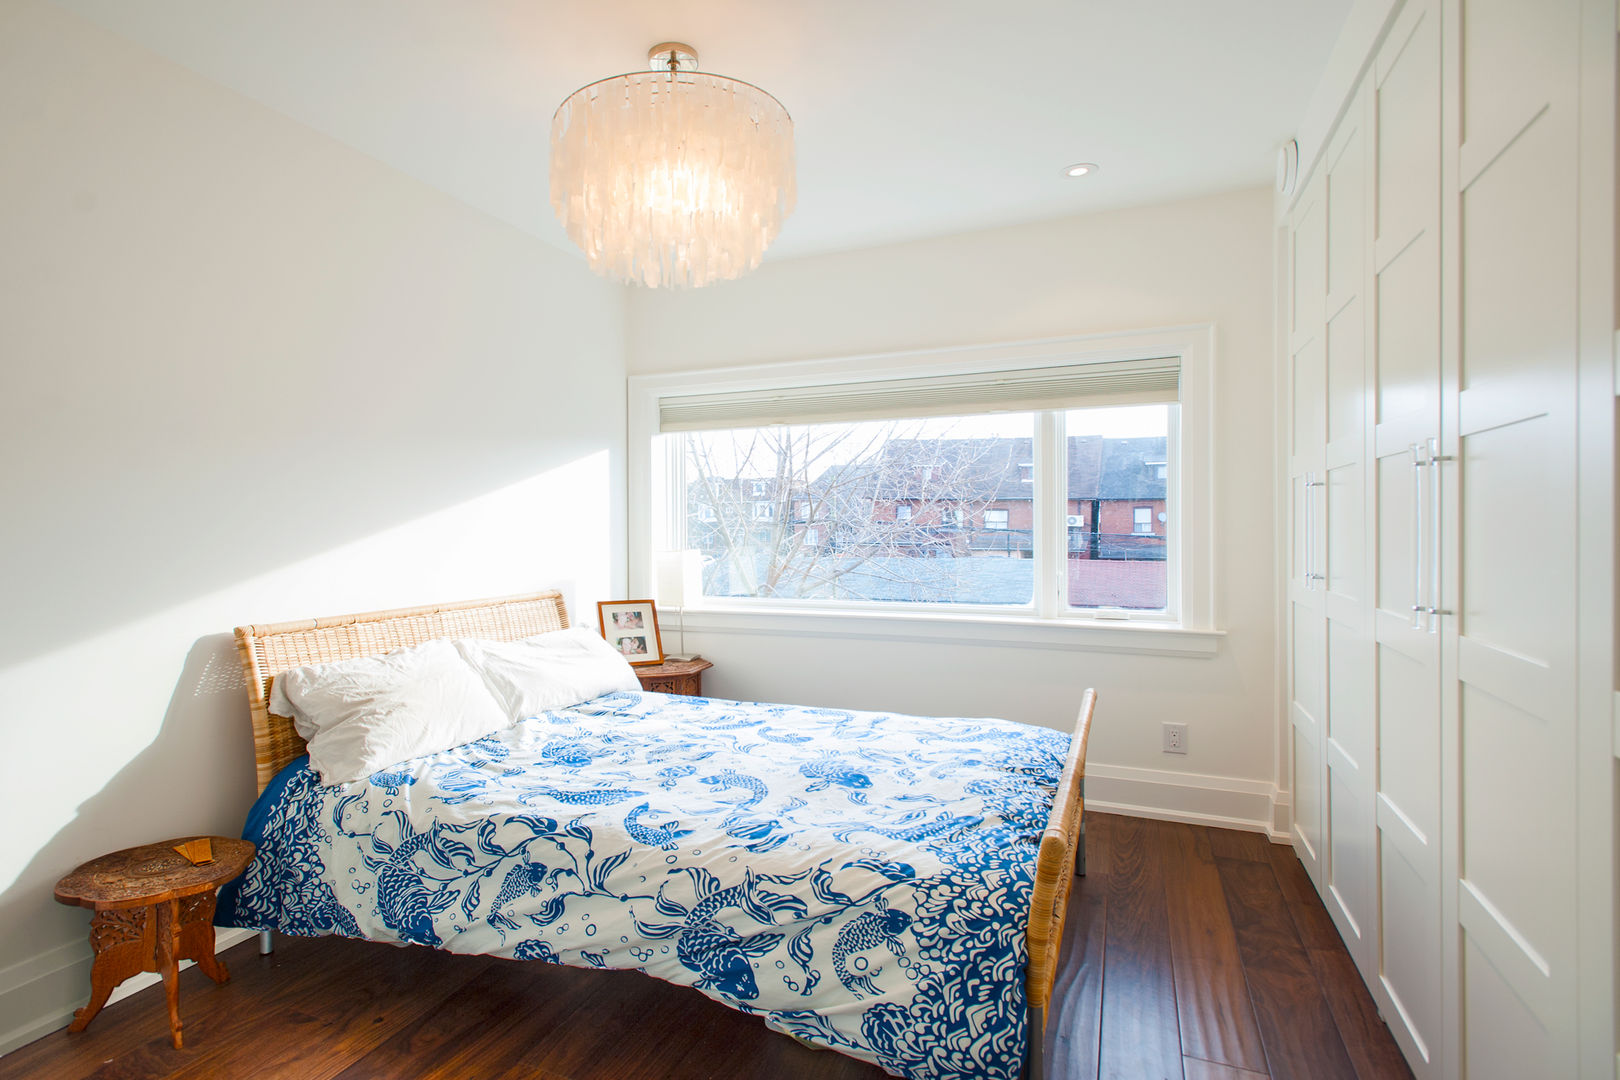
<point>1076,521</point>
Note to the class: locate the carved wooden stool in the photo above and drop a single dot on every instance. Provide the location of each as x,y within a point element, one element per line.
<point>154,907</point>
<point>674,677</point>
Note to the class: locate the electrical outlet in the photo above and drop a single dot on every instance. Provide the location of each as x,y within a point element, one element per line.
<point>1175,738</point>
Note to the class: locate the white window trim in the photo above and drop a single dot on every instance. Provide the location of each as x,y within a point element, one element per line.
<point>1191,581</point>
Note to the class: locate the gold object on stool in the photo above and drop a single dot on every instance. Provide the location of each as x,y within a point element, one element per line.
<point>196,852</point>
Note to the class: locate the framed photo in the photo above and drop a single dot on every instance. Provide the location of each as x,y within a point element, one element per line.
<point>631,627</point>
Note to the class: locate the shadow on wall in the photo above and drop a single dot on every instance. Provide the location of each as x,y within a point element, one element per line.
<point>206,720</point>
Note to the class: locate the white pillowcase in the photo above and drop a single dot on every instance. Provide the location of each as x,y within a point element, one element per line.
<point>362,715</point>
<point>548,671</point>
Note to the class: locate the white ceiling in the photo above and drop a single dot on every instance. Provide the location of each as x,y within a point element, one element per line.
<point>912,118</point>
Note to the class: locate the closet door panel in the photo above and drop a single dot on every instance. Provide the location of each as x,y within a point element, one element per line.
<point>1397,558</point>
<point>1410,976</point>
<point>1310,412</point>
<point>1407,354</point>
<point>1516,56</point>
<point>1406,393</point>
<point>1519,563</point>
<point>1351,891</point>
<point>1504,1039</point>
<point>1511,645</point>
<point>1308,257</point>
<point>1518,235</point>
<point>1513,867</point>
<point>1349,757</point>
<point>1409,746</point>
<point>1307,621</point>
<point>1310,692</point>
<point>1347,731</point>
<point>1346,199</point>
<point>1347,375</point>
<point>1407,121</point>
<point>1345,540</point>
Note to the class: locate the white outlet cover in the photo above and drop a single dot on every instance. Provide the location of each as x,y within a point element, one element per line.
<point>1175,738</point>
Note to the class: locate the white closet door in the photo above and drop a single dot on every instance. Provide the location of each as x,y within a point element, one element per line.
<point>1405,392</point>
<point>1509,651</point>
<point>1348,742</point>
<point>1307,622</point>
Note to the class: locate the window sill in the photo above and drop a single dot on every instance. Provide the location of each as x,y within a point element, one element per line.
<point>1152,639</point>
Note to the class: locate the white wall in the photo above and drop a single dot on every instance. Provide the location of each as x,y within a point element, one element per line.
<point>1204,260</point>
<point>246,375</point>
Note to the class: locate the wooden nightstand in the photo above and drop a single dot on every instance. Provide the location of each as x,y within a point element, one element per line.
<point>153,909</point>
<point>675,677</point>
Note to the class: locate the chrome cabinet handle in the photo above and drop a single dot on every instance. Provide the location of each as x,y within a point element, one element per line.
<point>1433,610</point>
<point>1418,462</point>
<point>1305,508</point>
<point>1311,576</point>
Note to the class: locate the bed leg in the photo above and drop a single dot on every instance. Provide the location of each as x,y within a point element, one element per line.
<point>1035,1059</point>
<point>265,943</point>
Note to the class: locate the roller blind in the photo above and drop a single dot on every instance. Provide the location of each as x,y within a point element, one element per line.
<point>1114,382</point>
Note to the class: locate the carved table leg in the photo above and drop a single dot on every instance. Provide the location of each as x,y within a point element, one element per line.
<point>196,935</point>
<point>167,965</point>
<point>100,991</point>
<point>123,945</point>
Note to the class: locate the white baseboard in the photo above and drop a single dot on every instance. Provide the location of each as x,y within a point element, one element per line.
<point>1221,801</point>
<point>38,995</point>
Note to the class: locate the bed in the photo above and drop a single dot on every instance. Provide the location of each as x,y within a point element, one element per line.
<point>887,886</point>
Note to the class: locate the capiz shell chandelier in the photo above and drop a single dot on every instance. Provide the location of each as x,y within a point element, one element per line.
<point>672,177</point>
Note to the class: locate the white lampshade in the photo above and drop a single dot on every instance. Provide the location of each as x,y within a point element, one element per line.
<point>672,177</point>
<point>680,577</point>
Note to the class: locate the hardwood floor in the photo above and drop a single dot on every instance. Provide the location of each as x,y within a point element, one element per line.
<point>1192,953</point>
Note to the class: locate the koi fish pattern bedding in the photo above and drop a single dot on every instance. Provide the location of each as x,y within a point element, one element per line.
<point>860,880</point>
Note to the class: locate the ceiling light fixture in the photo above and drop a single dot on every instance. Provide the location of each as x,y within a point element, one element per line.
<point>1083,168</point>
<point>672,177</point>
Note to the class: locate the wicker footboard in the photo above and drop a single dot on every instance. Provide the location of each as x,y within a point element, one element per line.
<point>1063,849</point>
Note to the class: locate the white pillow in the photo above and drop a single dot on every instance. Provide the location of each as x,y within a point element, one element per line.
<point>548,671</point>
<point>362,715</point>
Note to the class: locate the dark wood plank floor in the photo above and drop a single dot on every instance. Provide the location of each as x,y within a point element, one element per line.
<point>1192,953</point>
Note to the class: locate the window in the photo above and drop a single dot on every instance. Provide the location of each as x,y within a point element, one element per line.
<point>759,487</point>
<point>882,496</point>
<point>1008,480</point>
<point>1114,560</point>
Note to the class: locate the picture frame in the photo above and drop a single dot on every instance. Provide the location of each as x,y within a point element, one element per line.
<point>631,628</point>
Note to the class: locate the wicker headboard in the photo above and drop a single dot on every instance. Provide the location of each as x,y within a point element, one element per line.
<point>269,650</point>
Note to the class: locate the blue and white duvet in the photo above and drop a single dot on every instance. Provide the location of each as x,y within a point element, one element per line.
<point>859,880</point>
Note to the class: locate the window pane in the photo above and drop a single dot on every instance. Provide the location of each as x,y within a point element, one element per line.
<point>1117,513</point>
<point>920,511</point>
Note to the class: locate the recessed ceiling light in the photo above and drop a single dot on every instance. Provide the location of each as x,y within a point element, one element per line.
<point>1084,168</point>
